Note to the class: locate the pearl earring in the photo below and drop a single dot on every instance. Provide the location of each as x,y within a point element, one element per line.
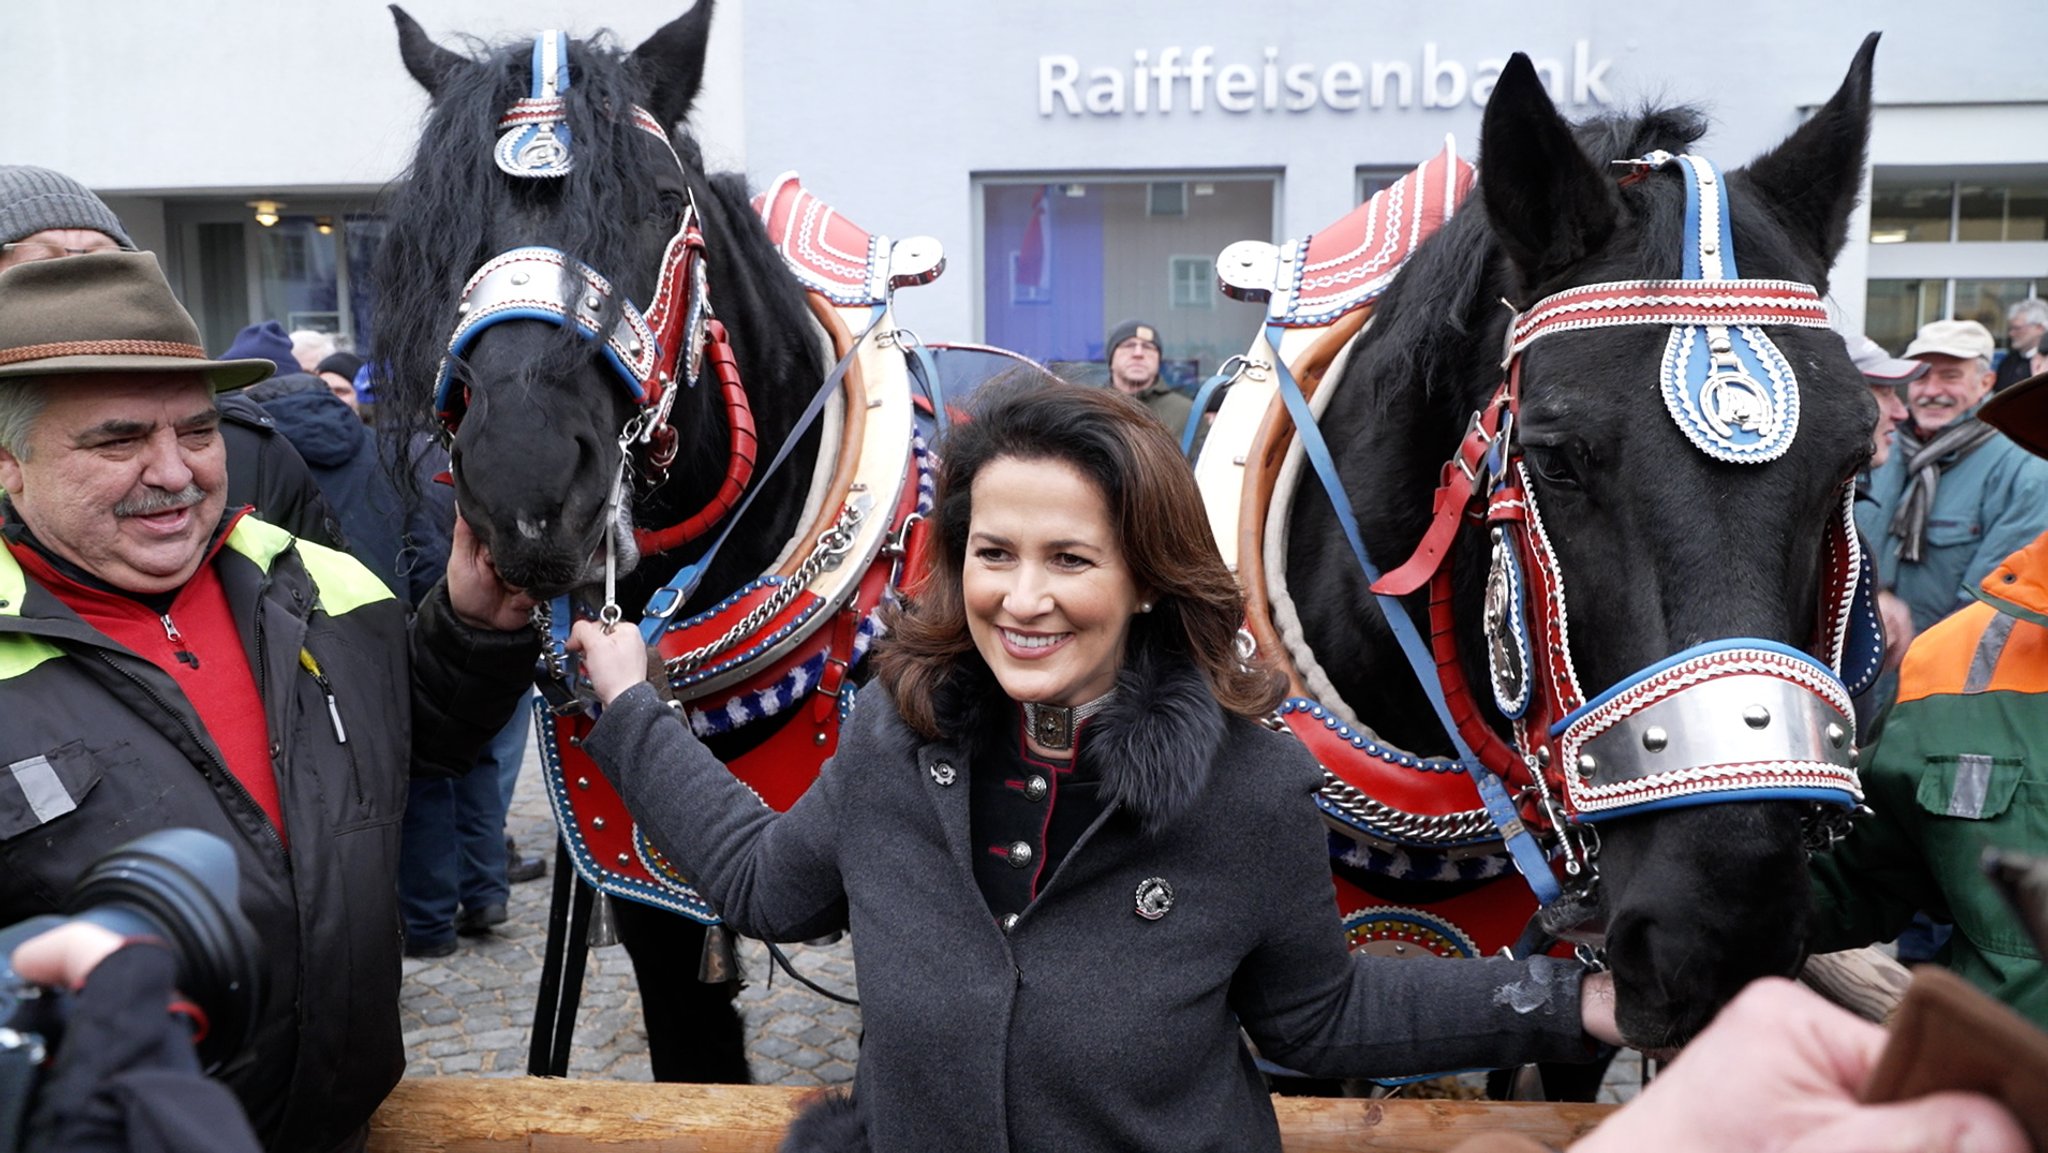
<point>1144,606</point>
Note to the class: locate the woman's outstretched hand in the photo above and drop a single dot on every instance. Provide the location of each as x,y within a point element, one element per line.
<point>613,663</point>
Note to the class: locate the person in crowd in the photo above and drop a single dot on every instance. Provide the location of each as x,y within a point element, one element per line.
<point>265,340</point>
<point>45,215</point>
<point>1961,765</point>
<point>338,372</point>
<point>169,660</point>
<point>1073,861</point>
<point>1134,355</point>
<point>1887,376</point>
<point>2026,324</point>
<point>1953,498</point>
<point>405,546</point>
<point>310,346</point>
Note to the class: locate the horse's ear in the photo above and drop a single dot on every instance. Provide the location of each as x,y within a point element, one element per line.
<point>1549,206</point>
<point>673,59</point>
<point>1811,180</point>
<point>429,63</point>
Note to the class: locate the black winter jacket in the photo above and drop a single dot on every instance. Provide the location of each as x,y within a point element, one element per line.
<point>1088,1025</point>
<point>266,473</point>
<point>407,547</point>
<point>100,747</point>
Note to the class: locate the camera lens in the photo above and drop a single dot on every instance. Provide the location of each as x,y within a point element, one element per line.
<point>181,887</point>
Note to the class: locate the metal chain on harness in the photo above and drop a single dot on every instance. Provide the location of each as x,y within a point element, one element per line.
<point>832,546</point>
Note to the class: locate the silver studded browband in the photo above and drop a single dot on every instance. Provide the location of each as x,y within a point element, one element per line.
<point>1052,726</point>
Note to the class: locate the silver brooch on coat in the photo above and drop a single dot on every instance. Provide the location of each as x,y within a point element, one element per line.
<point>1155,898</point>
<point>943,773</point>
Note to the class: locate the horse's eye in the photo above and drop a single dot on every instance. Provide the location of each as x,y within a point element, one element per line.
<point>1554,466</point>
<point>668,207</point>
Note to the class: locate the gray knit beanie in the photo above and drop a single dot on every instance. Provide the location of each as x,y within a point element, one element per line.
<point>33,199</point>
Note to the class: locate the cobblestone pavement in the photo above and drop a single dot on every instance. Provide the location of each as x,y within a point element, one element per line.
<point>472,1013</point>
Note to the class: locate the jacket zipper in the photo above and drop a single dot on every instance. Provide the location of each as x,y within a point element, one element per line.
<point>192,734</point>
<point>171,632</point>
<point>307,662</point>
<point>312,665</point>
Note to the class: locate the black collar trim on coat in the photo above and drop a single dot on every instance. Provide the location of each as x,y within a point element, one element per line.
<point>1153,746</point>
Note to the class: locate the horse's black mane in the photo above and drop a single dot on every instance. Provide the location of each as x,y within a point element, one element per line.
<point>443,216</point>
<point>1453,286</point>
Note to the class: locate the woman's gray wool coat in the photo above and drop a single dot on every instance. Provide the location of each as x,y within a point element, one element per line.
<point>1087,1026</point>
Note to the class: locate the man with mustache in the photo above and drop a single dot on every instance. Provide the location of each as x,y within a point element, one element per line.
<point>46,215</point>
<point>167,659</point>
<point>1955,497</point>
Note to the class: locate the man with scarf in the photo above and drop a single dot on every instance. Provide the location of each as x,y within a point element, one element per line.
<point>1955,497</point>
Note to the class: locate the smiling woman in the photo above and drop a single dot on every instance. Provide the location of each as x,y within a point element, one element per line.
<point>1049,598</point>
<point>1077,869</point>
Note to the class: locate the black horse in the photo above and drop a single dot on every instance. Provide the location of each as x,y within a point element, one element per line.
<point>536,453</point>
<point>1663,548</point>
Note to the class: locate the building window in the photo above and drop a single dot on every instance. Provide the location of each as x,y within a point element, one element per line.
<point>1167,198</point>
<point>1895,309</point>
<point>1911,213</point>
<point>1939,212</point>
<point>1374,178</point>
<point>2002,212</point>
<point>1967,242</point>
<point>1194,281</point>
<point>1067,256</point>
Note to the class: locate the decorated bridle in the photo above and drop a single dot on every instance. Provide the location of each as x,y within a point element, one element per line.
<point>650,352</point>
<point>1732,719</point>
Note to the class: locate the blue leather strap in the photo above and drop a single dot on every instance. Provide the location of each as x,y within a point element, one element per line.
<point>1231,370</point>
<point>1528,855</point>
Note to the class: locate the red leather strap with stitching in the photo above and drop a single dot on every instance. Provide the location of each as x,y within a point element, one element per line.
<point>742,447</point>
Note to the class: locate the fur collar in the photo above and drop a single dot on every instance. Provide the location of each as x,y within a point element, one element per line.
<point>1152,746</point>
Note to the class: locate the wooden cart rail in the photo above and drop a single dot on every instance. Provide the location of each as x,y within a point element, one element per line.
<point>478,1114</point>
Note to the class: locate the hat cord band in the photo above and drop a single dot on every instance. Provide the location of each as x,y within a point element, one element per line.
<point>102,348</point>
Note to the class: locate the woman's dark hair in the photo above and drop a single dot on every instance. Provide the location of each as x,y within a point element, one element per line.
<point>1154,508</point>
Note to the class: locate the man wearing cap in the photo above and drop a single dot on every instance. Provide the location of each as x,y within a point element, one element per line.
<point>1954,498</point>
<point>167,659</point>
<point>1134,371</point>
<point>1887,376</point>
<point>1961,766</point>
<point>46,215</point>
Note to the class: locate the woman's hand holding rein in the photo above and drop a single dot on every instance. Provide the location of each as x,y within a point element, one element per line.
<point>613,663</point>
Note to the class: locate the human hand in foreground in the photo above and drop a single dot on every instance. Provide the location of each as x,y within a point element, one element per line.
<point>613,663</point>
<point>1780,1071</point>
<point>64,956</point>
<point>480,598</point>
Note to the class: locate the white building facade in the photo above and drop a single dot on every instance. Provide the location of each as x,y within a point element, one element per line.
<point>1082,162</point>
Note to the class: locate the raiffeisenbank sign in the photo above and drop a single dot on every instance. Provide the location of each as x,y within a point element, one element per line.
<point>1195,81</point>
